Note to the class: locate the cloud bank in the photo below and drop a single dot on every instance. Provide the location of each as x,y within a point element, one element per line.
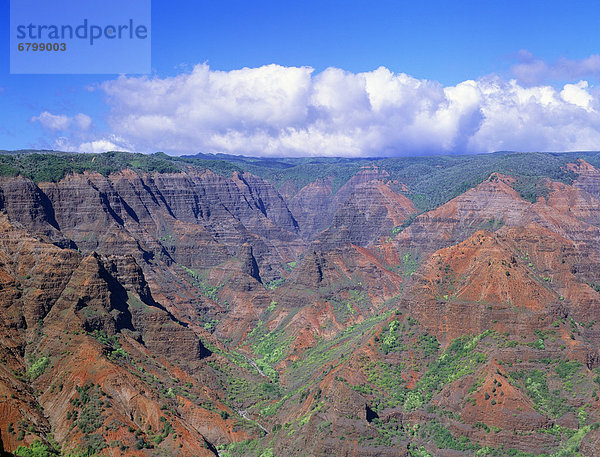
<point>531,70</point>
<point>294,111</point>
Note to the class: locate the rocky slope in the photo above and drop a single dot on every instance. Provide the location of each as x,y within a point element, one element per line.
<point>190,312</point>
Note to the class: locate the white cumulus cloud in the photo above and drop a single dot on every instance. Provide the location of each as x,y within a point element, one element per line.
<point>98,146</point>
<point>577,94</point>
<point>294,111</point>
<point>110,143</point>
<point>53,121</point>
<point>61,122</point>
<point>83,121</point>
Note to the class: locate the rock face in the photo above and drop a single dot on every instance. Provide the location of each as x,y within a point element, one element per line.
<point>372,211</point>
<point>491,204</point>
<point>249,265</point>
<point>364,208</point>
<point>146,313</point>
<point>66,313</point>
<point>469,287</point>
<point>312,206</point>
<point>150,213</point>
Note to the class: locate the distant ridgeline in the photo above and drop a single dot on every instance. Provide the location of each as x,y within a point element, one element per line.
<point>428,181</point>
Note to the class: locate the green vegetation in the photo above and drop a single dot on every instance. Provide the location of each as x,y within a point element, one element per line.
<point>167,428</point>
<point>274,284</point>
<point>428,344</point>
<point>393,335</point>
<point>432,180</point>
<point>331,352</point>
<point>531,188</point>
<point>252,448</point>
<point>387,382</point>
<point>93,443</point>
<point>114,351</point>
<point>419,451</point>
<point>458,360</point>
<point>345,303</point>
<point>536,387</point>
<point>390,338</point>
<point>566,369</point>
<point>439,435</point>
<point>410,263</point>
<point>241,391</point>
<point>571,447</point>
<point>435,180</point>
<point>272,347</point>
<point>51,167</point>
<point>211,325</point>
<point>537,344</point>
<point>211,292</point>
<point>87,410</point>
<point>37,449</point>
<point>38,367</point>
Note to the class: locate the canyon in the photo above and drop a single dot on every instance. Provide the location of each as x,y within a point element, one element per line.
<point>230,306</point>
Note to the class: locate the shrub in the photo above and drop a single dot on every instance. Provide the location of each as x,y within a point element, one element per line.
<point>566,369</point>
<point>37,449</point>
<point>38,367</point>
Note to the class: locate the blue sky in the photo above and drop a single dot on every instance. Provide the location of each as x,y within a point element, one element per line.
<point>442,40</point>
<point>537,43</point>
